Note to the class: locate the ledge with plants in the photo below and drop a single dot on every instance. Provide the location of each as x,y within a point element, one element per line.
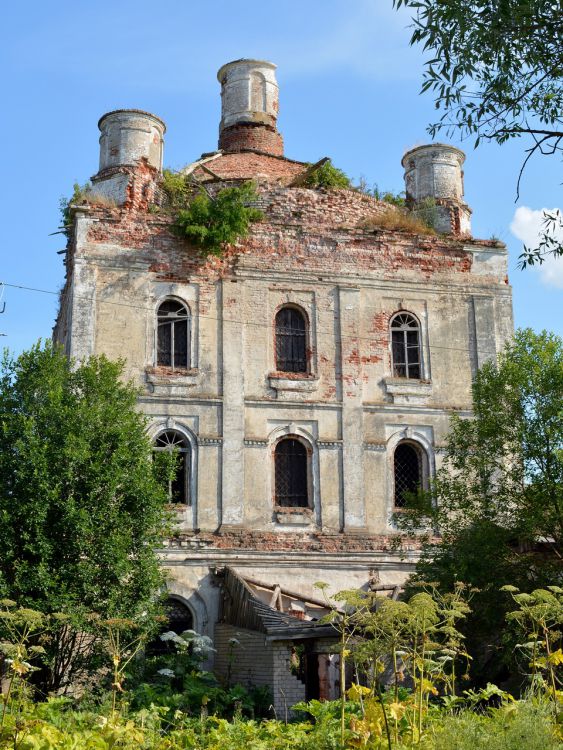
<point>210,220</point>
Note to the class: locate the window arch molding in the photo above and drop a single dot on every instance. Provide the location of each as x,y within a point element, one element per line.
<point>407,352</point>
<point>296,432</point>
<point>159,320</point>
<point>292,346</point>
<point>172,425</point>
<point>421,440</point>
<point>191,599</point>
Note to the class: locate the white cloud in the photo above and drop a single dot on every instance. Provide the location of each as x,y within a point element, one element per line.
<point>527,225</point>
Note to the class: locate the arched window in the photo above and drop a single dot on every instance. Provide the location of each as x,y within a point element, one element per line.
<point>178,486</point>
<point>405,344</point>
<point>291,340</point>
<point>178,618</point>
<point>408,472</point>
<point>173,335</point>
<point>291,474</point>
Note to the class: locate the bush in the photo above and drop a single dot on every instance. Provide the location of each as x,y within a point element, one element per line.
<point>176,188</point>
<point>327,176</point>
<point>426,211</point>
<point>213,222</point>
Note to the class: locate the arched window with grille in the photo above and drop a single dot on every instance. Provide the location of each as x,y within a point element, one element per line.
<point>173,335</point>
<point>291,340</point>
<point>405,346</point>
<point>177,486</point>
<point>291,474</point>
<point>408,472</point>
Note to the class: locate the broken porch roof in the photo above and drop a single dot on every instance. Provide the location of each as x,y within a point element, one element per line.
<point>244,604</point>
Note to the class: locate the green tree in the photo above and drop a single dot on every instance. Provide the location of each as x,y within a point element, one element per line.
<point>497,501</point>
<point>495,68</point>
<point>81,509</point>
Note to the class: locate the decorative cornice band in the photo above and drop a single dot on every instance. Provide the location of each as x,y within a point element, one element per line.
<point>380,447</point>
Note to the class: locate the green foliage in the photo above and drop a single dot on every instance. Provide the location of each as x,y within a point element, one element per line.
<point>498,500</point>
<point>57,724</point>
<point>526,725</point>
<point>540,616</point>
<point>495,70</point>
<point>177,188</point>
<point>81,510</point>
<point>176,683</point>
<point>327,176</point>
<point>426,211</point>
<point>212,222</point>
<point>549,244</point>
<point>79,193</point>
<point>388,196</point>
<point>414,642</point>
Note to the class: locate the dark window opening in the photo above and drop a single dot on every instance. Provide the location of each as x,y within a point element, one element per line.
<point>408,472</point>
<point>291,341</point>
<point>177,486</point>
<point>173,335</point>
<point>291,474</point>
<point>405,345</point>
<point>178,618</point>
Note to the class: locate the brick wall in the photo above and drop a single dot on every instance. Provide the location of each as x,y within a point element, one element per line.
<point>251,135</point>
<point>258,662</point>
<point>288,689</point>
<point>252,657</point>
<point>289,542</point>
<point>251,165</point>
<point>314,229</point>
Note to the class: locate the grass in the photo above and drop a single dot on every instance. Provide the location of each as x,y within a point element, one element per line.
<point>398,221</point>
<point>96,199</point>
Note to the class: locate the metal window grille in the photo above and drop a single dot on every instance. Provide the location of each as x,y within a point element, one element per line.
<point>408,472</point>
<point>177,486</point>
<point>291,474</point>
<point>291,341</point>
<point>173,335</point>
<point>405,344</point>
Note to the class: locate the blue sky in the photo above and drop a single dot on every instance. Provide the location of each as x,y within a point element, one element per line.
<point>349,89</point>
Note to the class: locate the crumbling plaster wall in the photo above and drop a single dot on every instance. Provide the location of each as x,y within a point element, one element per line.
<point>311,252</point>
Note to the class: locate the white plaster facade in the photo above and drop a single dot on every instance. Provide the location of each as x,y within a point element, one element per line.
<point>232,405</point>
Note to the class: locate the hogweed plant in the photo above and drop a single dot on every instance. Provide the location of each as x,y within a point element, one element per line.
<point>540,618</point>
<point>19,627</point>
<point>122,649</point>
<point>392,644</point>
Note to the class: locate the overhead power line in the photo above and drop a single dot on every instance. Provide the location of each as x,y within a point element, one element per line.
<point>145,308</point>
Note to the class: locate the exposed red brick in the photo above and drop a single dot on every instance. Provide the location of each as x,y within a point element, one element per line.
<point>250,135</point>
<point>250,165</point>
<point>293,541</point>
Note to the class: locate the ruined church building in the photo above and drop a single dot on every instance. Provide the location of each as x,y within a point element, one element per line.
<point>306,377</point>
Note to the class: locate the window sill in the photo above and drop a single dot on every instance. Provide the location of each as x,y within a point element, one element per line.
<point>166,376</point>
<point>298,382</point>
<point>294,516</point>
<point>408,390</point>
